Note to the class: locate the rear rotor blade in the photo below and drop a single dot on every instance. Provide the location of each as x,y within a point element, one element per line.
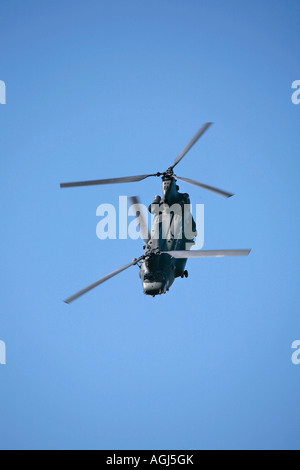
<point>126,179</point>
<point>220,192</point>
<point>97,283</point>
<point>206,253</point>
<point>144,227</point>
<point>191,143</point>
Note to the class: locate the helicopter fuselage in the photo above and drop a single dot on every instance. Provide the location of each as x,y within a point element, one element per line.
<point>173,228</point>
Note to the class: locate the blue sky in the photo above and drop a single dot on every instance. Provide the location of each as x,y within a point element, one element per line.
<point>101,89</point>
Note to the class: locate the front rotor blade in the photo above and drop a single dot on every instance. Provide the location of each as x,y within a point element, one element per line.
<point>97,283</point>
<point>206,253</point>
<point>126,179</point>
<point>144,227</point>
<point>220,192</point>
<point>191,143</point>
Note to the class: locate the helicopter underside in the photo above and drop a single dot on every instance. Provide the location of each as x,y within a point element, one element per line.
<point>158,271</point>
<point>154,288</point>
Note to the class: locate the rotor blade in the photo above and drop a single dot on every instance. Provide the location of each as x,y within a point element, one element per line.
<point>191,143</point>
<point>220,192</point>
<point>97,283</point>
<point>144,227</point>
<point>126,179</point>
<point>206,253</point>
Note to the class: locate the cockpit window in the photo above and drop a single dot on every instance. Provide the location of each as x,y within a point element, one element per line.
<point>153,277</point>
<point>148,277</point>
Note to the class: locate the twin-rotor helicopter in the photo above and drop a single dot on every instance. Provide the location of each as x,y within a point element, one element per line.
<point>168,246</point>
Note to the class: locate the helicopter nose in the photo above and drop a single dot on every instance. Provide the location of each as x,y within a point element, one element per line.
<point>154,288</point>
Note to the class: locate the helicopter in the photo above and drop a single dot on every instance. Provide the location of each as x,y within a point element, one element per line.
<point>168,246</point>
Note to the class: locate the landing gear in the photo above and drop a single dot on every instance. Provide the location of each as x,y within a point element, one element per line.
<point>185,274</point>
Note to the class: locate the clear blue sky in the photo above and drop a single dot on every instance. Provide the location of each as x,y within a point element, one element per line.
<point>100,89</point>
